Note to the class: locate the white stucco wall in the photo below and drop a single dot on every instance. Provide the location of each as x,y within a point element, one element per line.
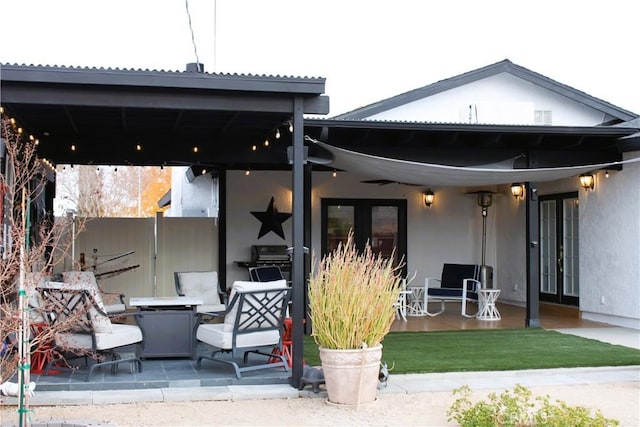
<point>499,99</point>
<point>610,248</point>
<point>252,193</point>
<point>449,231</point>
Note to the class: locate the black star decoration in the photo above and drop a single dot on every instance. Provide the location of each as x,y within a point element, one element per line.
<point>271,220</point>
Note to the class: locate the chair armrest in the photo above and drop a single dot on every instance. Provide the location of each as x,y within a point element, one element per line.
<point>470,285</point>
<point>428,280</point>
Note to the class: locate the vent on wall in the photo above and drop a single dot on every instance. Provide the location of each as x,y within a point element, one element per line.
<point>543,117</point>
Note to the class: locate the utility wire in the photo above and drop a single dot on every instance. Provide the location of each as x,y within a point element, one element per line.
<point>193,37</point>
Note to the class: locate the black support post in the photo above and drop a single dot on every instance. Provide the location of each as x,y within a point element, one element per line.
<point>297,265</point>
<point>533,258</point>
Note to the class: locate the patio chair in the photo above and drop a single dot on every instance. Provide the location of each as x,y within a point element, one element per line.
<point>113,301</point>
<point>265,273</point>
<point>254,319</point>
<point>202,284</point>
<point>458,283</point>
<point>82,329</point>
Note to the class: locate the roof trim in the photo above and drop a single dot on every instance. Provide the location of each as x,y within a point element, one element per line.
<point>504,66</point>
<point>157,79</point>
<point>464,127</point>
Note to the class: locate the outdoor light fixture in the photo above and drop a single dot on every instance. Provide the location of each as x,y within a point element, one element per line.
<point>428,198</point>
<point>277,133</point>
<point>485,199</point>
<point>587,181</point>
<point>517,190</point>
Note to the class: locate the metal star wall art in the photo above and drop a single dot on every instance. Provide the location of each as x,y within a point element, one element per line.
<point>271,220</point>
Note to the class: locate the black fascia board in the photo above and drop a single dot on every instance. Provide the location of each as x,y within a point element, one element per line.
<point>163,79</point>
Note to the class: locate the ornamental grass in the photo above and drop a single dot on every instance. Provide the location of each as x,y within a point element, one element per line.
<point>351,297</point>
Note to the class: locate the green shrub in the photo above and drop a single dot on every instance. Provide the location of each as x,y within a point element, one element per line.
<point>515,408</point>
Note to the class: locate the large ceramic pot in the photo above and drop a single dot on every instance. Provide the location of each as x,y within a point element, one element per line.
<point>351,376</point>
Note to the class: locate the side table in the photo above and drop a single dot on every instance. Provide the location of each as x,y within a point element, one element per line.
<point>487,304</point>
<point>416,306</point>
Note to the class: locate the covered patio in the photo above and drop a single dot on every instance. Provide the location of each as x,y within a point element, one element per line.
<point>118,117</point>
<point>182,372</point>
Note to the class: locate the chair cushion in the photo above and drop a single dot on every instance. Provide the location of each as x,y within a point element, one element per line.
<point>89,277</point>
<point>451,293</point>
<point>210,308</point>
<point>121,335</point>
<point>454,274</point>
<point>240,286</point>
<point>203,284</point>
<point>99,322</point>
<point>215,335</point>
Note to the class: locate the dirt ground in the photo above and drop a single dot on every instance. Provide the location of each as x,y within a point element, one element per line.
<point>620,401</point>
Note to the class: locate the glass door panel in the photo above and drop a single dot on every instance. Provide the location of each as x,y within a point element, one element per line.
<point>548,247</point>
<point>570,254</point>
<point>384,230</point>
<point>340,219</point>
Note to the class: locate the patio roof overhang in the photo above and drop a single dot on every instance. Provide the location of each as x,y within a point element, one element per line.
<point>106,114</point>
<point>467,155</point>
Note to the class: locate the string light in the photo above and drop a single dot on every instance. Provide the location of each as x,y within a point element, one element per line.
<point>247,172</point>
<point>290,127</point>
<point>138,147</point>
<point>266,142</point>
<point>73,148</point>
<point>277,133</point>
<point>334,174</point>
<point>254,147</point>
<point>195,149</point>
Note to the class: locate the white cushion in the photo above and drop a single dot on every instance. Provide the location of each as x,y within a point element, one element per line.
<point>100,322</point>
<point>240,286</point>
<point>203,284</point>
<point>88,277</point>
<point>33,280</point>
<point>211,308</point>
<point>121,335</point>
<point>215,335</point>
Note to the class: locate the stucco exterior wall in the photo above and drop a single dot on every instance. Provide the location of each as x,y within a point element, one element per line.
<point>610,248</point>
<point>499,99</point>
<point>449,231</point>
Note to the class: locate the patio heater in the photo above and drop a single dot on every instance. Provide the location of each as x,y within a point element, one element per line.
<point>485,199</point>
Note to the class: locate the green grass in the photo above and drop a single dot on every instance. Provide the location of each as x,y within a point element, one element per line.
<point>491,350</point>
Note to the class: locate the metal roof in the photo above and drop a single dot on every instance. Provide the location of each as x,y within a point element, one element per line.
<point>142,117</point>
<point>616,114</point>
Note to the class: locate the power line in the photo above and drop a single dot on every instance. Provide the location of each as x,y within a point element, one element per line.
<point>193,38</point>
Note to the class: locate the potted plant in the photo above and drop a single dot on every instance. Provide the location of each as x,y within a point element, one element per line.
<point>351,302</point>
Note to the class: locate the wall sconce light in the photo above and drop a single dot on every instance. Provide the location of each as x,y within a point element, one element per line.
<point>587,181</point>
<point>517,190</point>
<point>428,198</point>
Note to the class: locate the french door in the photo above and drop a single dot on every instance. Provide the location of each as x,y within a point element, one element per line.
<point>559,253</point>
<point>381,222</point>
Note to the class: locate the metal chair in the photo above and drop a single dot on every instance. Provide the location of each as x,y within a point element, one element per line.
<point>254,319</point>
<point>265,273</point>
<point>202,284</point>
<point>82,329</point>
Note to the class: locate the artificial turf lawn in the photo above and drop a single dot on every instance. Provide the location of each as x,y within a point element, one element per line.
<point>491,350</point>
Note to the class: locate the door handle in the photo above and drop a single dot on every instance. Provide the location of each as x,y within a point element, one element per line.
<point>560,259</point>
